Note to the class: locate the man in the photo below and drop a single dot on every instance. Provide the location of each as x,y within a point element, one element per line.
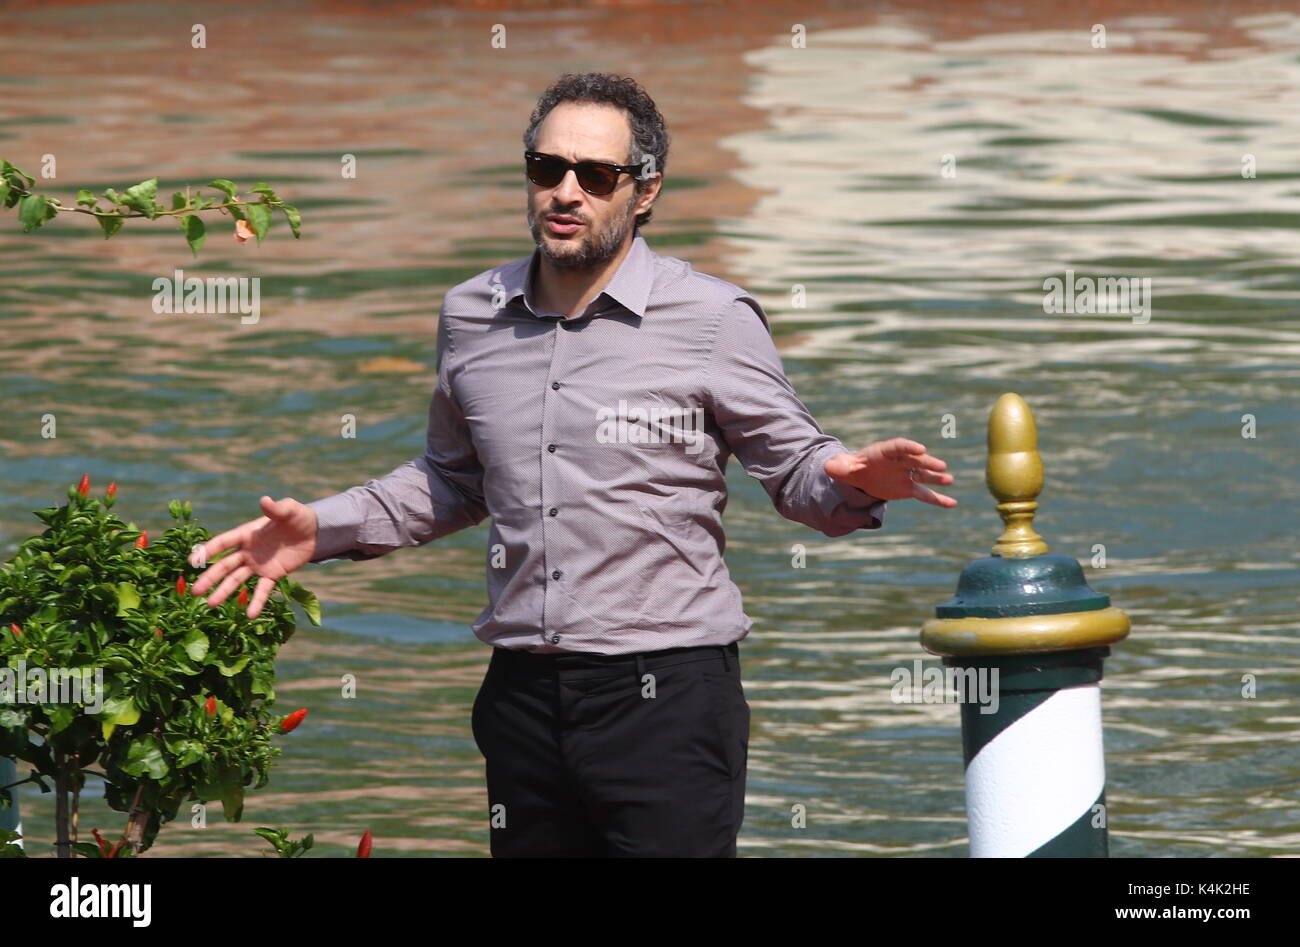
<point>588,398</point>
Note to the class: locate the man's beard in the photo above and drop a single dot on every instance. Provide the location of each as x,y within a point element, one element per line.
<point>593,249</point>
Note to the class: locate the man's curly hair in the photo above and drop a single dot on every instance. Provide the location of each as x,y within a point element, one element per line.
<point>649,134</point>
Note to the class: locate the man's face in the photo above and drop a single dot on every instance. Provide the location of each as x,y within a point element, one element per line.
<point>584,131</point>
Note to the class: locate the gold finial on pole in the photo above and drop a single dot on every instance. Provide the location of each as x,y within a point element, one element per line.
<point>1015,476</point>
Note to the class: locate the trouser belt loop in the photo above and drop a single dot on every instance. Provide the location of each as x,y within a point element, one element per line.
<point>640,670</point>
<point>726,661</point>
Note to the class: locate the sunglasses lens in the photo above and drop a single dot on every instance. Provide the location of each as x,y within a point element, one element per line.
<point>596,180</point>
<point>548,171</point>
<point>545,172</point>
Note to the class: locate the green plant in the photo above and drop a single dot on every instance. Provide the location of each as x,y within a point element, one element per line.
<point>283,845</point>
<point>16,187</point>
<point>288,848</point>
<point>9,847</point>
<point>86,596</point>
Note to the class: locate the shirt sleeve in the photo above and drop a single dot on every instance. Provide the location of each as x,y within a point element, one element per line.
<point>421,500</point>
<point>771,432</point>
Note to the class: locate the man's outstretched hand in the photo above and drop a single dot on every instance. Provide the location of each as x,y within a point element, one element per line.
<point>270,546</point>
<point>886,469</point>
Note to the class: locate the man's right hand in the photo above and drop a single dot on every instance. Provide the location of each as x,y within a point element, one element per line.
<point>270,546</point>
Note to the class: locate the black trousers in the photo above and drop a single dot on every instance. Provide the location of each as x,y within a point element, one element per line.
<point>614,756</point>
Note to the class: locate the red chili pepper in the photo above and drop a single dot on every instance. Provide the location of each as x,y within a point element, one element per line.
<point>211,706</point>
<point>112,490</point>
<point>143,540</point>
<point>363,850</point>
<point>180,585</point>
<point>103,845</point>
<point>157,633</point>
<point>84,487</point>
<point>117,848</point>
<point>18,632</point>
<point>243,597</point>
<point>291,722</point>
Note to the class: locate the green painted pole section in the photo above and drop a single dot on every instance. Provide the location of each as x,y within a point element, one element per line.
<point>1024,684</point>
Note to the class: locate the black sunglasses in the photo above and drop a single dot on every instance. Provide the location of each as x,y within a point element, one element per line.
<point>595,177</point>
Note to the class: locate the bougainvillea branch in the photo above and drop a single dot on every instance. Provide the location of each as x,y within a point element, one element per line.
<point>139,200</point>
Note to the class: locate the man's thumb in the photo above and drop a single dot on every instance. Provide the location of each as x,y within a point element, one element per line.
<point>275,510</point>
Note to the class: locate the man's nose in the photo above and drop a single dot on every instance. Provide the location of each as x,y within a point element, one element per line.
<point>568,191</point>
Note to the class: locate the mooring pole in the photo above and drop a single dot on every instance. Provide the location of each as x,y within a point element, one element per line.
<point>1026,618</point>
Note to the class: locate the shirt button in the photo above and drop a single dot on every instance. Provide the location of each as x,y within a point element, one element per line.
<point>555,639</point>
<point>551,448</point>
<point>553,511</point>
<point>555,385</point>
<point>555,574</point>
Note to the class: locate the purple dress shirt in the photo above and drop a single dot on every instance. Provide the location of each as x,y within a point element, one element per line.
<point>598,445</point>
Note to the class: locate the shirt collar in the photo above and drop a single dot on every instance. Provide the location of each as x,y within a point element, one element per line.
<point>629,286</point>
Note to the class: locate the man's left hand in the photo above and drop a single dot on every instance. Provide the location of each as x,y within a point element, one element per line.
<point>893,470</point>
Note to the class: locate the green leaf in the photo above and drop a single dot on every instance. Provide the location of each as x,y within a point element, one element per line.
<point>226,187</point>
<point>231,669</point>
<point>194,232</point>
<point>86,199</point>
<point>145,758</point>
<point>265,190</point>
<point>178,200</point>
<point>310,604</point>
<point>128,598</point>
<point>5,188</point>
<point>295,219</point>
<point>141,197</point>
<point>77,575</point>
<point>195,644</point>
<point>185,751</point>
<point>6,167</point>
<point>60,718</point>
<point>110,224</point>
<point>174,508</point>
<point>32,211</point>
<point>232,794</point>
<point>112,195</point>
<point>120,711</point>
<point>259,218</point>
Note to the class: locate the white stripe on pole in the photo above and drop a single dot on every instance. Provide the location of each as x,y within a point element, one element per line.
<point>1038,776</point>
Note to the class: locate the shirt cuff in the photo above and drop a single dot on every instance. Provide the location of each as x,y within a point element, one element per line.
<point>337,522</point>
<point>847,506</point>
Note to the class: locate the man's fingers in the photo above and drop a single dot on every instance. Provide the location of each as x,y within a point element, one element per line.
<point>921,475</point>
<point>263,591</point>
<point>926,495</point>
<point>227,540</point>
<point>900,447</point>
<point>232,582</point>
<point>217,571</point>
